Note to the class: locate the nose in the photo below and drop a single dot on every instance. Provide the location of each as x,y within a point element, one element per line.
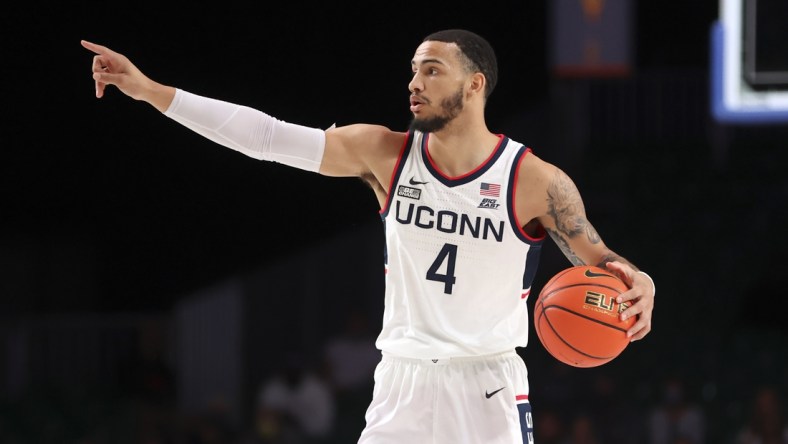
<point>415,84</point>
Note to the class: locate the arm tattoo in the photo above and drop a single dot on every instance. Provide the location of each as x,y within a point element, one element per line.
<point>566,208</point>
<point>563,245</point>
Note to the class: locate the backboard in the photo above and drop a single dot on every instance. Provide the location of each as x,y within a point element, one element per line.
<point>749,62</point>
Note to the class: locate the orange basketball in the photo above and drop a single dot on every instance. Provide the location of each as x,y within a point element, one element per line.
<point>577,318</point>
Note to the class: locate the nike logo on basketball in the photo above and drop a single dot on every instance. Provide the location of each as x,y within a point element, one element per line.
<point>413,181</point>
<point>591,274</point>
<point>490,395</point>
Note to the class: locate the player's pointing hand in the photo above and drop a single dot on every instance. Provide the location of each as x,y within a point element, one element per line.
<point>112,68</point>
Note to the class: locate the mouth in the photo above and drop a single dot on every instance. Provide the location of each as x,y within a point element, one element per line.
<point>416,103</point>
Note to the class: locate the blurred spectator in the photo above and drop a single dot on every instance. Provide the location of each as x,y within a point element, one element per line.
<point>675,420</point>
<point>148,376</point>
<point>582,431</point>
<point>274,426</point>
<point>602,400</point>
<point>351,358</point>
<point>548,426</point>
<point>295,406</point>
<point>767,423</point>
<point>211,426</point>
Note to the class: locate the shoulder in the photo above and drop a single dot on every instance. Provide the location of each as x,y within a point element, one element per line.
<point>367,135</point>
<point>538,183</point>
<point>529,162</point>
<point>534,171</point>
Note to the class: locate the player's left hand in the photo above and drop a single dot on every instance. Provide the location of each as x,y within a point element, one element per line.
<point>640,297</point>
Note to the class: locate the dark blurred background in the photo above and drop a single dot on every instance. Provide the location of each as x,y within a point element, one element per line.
<point>158,288</point>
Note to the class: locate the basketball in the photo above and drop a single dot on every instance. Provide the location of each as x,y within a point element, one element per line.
<point>577,318</point>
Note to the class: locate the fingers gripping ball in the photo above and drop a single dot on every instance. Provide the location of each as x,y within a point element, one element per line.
<point>577,318</point>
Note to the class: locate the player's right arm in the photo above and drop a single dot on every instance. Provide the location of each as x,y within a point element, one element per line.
<point>366,151</point>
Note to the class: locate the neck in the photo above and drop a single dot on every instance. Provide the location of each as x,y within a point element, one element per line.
<point>460,148</point>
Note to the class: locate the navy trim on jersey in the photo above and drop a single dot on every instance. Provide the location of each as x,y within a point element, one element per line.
<point>461,180</point>
<point>518,230</point>
<point>403,155</point>
<point>531,265</point>
<point>534,253</point>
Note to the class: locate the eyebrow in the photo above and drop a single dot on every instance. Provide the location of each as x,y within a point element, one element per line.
<point>425,61</point>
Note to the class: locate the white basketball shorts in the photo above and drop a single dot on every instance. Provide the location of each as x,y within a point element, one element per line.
<point>480,400</point>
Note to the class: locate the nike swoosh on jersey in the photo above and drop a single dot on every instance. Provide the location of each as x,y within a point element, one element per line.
<point>490,395</point>
<point>413,181</point>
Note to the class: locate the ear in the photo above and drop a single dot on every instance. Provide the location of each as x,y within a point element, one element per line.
<point>476,84</point>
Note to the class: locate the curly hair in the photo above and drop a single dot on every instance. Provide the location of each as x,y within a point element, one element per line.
<point>476,51</point>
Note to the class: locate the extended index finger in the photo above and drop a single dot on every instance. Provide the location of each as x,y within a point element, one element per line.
<point>98,49</point>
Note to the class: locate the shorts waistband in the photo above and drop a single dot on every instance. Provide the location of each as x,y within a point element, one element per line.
<point>447,360</point>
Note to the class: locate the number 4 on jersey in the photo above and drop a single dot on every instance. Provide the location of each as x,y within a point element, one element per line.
<point>448,254</point>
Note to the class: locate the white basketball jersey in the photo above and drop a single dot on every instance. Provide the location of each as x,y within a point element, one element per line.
<point>458,266</point>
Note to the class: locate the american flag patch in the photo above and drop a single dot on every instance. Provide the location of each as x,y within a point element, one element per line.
<point>490,189</point>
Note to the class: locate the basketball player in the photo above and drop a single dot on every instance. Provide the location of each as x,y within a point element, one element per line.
<point>465,212</point>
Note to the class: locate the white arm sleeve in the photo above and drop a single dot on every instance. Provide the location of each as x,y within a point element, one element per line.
<point>249,131</point>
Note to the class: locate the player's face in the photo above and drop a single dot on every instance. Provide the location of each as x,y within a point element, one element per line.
<point>437,87</point>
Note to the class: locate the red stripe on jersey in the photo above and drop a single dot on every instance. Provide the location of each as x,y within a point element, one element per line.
<point>394,174</point>
<point>521,397</point>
